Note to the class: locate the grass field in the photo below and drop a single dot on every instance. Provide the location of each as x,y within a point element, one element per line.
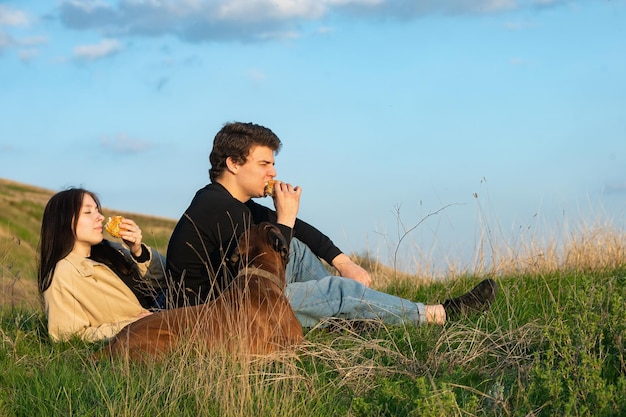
<point>554,343</point>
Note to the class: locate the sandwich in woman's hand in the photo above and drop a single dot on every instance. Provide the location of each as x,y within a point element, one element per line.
<point>113,226</point>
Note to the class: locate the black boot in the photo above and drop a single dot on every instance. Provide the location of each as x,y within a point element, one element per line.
<point>477,300</point>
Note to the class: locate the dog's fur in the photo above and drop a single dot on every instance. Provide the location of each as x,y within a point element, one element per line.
<point>252,315</point>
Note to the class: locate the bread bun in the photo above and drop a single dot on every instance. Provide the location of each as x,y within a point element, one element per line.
<point>113,226</point>
<point>269,188</point>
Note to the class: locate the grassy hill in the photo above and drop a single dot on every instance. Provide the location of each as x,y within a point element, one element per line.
<point>21,209</point>
<point>554,343</point>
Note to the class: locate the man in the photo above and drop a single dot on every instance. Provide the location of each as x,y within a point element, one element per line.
<point>242,162</point>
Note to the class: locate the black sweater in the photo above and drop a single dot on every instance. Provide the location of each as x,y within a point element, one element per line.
<point>205,236</point>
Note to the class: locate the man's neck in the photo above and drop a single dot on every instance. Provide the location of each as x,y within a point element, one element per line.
<point>233,189</point>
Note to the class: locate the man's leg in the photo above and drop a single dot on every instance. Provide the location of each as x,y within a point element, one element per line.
<point>348,299</point>
<point>303,264</point>
<point>314,294</point>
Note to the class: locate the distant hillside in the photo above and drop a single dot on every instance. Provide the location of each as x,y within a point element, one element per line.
<point>21,209</point>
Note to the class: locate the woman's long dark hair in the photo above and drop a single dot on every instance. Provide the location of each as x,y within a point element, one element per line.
<point>58,226</point>
<point>58,234</point>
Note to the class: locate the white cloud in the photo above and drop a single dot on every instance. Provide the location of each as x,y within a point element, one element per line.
<point>519,25</point>
<point>284,35</point>
<point>255,20</point>
<point>104,48</point>
<point>12,17</point>
<point>122,144</point>
<point>32,41</point>
<point>27,55</point>
<point>5,40</point>
<point>517,61</point>
<point>543,3</point>
<point>323,30</point>
<point>256,75</point>
<point>26,45</point>
<point>499,5</point>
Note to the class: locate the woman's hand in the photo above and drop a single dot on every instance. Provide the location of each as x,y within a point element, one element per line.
<point>131,235</point>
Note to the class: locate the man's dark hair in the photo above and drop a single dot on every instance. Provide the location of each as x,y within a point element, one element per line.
<point>235,140</point>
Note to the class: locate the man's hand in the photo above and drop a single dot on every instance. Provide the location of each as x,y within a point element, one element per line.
<point>348,269</point>
<point>286,202</point>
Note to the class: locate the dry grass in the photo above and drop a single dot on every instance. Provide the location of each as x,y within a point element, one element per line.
<point>587,248</point>
<point>237,384</point>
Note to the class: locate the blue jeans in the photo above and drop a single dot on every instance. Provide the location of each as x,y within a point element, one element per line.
<point>314,294</point>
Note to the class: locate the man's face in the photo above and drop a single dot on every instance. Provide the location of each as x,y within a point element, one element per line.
<point>258,169</point>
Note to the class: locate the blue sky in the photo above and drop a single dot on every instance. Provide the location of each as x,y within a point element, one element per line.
<point>505,117</point>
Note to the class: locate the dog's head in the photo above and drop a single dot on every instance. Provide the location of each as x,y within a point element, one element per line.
<point>262,245</point>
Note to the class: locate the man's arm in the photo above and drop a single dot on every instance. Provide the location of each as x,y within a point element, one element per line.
<point>320,244</point>
<point>348,269</point>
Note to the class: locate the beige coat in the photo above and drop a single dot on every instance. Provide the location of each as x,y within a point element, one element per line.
<point>89,300</point>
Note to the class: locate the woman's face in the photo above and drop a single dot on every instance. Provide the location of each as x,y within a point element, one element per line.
<point>89,225</point>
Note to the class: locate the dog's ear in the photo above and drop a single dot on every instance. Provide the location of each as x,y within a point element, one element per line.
<point>240,252</point>
<point>279,243</point>
<point>235,256</point>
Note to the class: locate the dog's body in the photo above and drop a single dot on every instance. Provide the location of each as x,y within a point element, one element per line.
<point>252,316</point>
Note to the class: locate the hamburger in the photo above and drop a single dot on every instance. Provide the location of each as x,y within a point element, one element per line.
<point>269,189</point>
<point>113,225</point>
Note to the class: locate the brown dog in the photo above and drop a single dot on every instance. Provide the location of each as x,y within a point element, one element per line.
<point>252,316</point>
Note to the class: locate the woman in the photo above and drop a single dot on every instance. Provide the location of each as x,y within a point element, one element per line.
<point>91,287</point>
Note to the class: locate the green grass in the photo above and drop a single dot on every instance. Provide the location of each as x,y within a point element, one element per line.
<point>553,344</point>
